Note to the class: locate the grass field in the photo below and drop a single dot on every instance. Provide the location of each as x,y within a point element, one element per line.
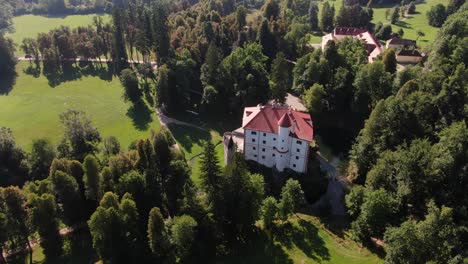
<point>32,107</point>
<point>304,240</point>
<point>410,25</point>
<point>30,25</point>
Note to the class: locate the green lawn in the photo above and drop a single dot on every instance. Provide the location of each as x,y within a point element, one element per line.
<point>191,141</point>
<point>410,24</point>
<point>30,25</point>
<point>303,240</point>
<point>32,107</point>
<point>413,23</point>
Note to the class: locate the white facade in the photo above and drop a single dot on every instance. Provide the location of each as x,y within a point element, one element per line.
<point>279,150</point>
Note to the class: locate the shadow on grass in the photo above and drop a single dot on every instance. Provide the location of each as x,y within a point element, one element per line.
<point>189,136</point>
<point>7,83</point>
<point>140,114</point>
<point>33,70</point>
<point>304,235</point>
<point>71,71</point>
<point>403,24</point>
<point>218,122</point>
<point>261,249</point>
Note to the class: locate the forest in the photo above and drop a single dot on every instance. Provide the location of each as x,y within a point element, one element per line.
<point>402,131</point>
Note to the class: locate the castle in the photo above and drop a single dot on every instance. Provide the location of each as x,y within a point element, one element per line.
<point>273,136</point>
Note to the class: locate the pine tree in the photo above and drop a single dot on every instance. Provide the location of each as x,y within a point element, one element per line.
<point>119,52</point>
<point>267,40</point>
<point>161,31</point>
<point>395,15</point>
<point>158,236</point>
<point>210,170</point>
<point>326,19</point>
<point>313,15</point>
<point>280,78</point>
<point>390,62</point>
<point>91,178</point>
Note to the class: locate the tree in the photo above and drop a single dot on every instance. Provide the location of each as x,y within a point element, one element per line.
<point>385,32</point>
<point>3,228</point>
<point>241,14</point>
<point>183,233</point>
<point>210,172</point>
<point>280,78</point>
<point>354,200</point>
<point>389,60</point>
<point>91,178</point>
<point>210,69</point>
<point>271,10</point>
<point>313,16</point>
<point>42,155</point>
<point>17,213</point>
<point>119,52</point>
<point>6,15</point>
<point>7,57</point>
<point>163,95</point>
<point>411,8</point>
<point>433,239</point>
<point>454,5</point>
<point>377,212</point>
<point>80,138</point>
<point>269,211</point>
<point>12,160</point>
<point>44,217</point>
<point>158,236</point>
<point>436,15</point>
<point>372,83</point>
<point>327,17</point>
<point>395,15</point>
<point>111,146</point>
<point>267,40</point>
<point>129,81</point>
<point>66,189</point>
<point>161,31</point>
<point>419,33</point>
<point>314,99</point>
<point>133,183</point>
<point>292,197</point>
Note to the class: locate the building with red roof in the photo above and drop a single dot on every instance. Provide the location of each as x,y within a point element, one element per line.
<point>274,136</point>
<point>372,45</point>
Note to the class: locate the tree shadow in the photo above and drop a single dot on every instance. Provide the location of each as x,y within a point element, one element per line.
<point>7,83</point>
<point>188,136</point>
<point>33,70</point>
<point>71,71</point>
<point>304,236</point>
<point>403,24</point>
<point>336,224</point>
<point>260,249</point>
<point>140,114</point>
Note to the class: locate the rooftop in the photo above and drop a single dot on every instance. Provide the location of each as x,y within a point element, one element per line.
<point>269,118</point>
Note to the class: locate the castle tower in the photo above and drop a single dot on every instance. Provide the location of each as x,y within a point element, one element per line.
<point>282,145</point>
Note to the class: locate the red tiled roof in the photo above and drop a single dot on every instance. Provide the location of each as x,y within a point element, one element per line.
<point>269,118</point>
<point>350,31</point>
<point>284,121</point>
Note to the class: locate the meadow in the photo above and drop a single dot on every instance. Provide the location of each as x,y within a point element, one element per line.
<point>28,26</point>
<point>410,24</point>
<point>32,105</point>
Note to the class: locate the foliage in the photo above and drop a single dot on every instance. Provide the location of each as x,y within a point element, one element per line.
<point>280,78</point>
<point>292,197</point>
<point>42,154</point>
<point>91,178</point>
<point>436,15</point>
<point>7,58</point>
<point>269,211</point>
<point>129,81</point>
<point>158,235</point>
<point>327,17</point>
<point>183,233</point>
<point>12,160</point>
<point>80,138</point>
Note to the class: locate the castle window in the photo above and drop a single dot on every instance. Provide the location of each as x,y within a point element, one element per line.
<point>254,148</point>
<point>255,156</point>
<point>253,139</point>
<point>297,157</point>
<point>264,142</point>
<point>263,157</point>
<point>298,150</point>
<point>294,165</point>
<point>274,139</point>
<point>263,149</point>
<point>254,133</point>
<point>299,142</point>
<point>273,155</point>
<point>264,134</point>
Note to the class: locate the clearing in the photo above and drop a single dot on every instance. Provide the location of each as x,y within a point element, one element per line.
<point>31,106</point>
<point>28,26</point>
<point>410,25</point>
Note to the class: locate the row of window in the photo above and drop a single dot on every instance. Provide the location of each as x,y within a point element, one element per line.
<point>263,157</point>
<point>263,150</point>
<point>273,155</point>
<point>274,139</point>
